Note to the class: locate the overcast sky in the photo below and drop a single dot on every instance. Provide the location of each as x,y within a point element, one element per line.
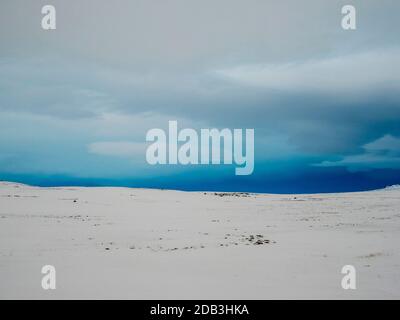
<point>76,102</point>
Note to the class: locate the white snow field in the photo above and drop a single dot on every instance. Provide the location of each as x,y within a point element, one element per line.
<point>108,243</point>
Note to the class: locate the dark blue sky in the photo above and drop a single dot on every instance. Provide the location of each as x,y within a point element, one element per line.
<point>76,102</point>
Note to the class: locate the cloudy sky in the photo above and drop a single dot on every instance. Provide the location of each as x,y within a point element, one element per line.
<point>76,102</point>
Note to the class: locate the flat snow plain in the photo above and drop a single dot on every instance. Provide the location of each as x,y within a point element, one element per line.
<point>109,243</point>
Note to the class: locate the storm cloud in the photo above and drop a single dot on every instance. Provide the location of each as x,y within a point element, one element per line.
<point>315,93</point>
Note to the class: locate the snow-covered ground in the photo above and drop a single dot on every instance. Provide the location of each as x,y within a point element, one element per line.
<point>144,244</point>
